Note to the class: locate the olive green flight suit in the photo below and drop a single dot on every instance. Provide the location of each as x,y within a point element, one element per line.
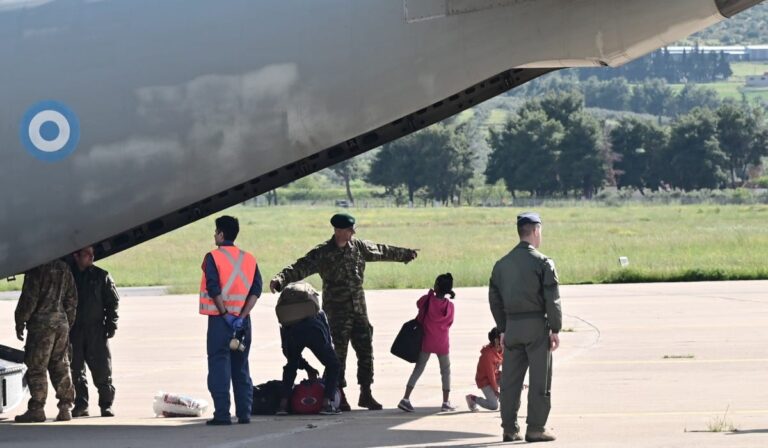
<point>525,303</point>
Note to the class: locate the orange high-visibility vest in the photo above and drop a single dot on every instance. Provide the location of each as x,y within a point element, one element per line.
<point>236,268</point>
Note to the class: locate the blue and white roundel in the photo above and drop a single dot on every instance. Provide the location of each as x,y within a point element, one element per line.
<point>50,131</point>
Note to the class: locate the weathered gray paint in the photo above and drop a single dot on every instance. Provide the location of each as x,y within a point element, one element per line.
<point>180,100</point>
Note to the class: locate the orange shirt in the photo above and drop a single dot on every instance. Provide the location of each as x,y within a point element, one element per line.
<point>488,367</point>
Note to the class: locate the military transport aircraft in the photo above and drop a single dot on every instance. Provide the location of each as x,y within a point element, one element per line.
<point>121,120</point>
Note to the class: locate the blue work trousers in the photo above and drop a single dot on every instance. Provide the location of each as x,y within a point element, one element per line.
<point>225,366</point>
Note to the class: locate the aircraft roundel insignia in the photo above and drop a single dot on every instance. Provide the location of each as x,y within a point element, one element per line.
<point>50,131</point>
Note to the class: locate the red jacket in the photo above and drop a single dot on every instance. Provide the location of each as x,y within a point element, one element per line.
<point>488,367</point>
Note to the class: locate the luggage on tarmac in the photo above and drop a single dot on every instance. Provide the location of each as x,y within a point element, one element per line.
<point>307,397</point>
<point>266,398</point>
<point>173,405</point>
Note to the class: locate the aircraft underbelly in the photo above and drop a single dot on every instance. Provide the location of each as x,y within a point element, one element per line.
<point>181,99</point>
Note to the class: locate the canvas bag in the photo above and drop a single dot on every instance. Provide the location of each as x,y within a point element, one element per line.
<point>407,344</point>
<point>297,302</point>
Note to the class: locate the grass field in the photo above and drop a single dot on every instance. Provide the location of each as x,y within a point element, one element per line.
<point>734,86</point>
<point>662,242</point>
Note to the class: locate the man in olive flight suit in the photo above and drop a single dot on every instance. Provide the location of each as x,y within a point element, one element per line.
<point>46,309</point>
<point>340,262</point>
<point>525,303</point>
<point>95,324</point>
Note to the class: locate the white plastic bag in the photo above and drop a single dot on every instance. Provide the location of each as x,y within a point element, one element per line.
<point>173,405</point>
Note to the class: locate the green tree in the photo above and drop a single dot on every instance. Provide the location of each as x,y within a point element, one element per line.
<point>449,164</point>
<point>694,156</point>
<point>652,96</point>
<point>742,139</point>
<point>637,145</point>
<point>582,165</point>
<point>559,107</point>
<point>436,159</point>
<point>348,171</point>
<point>693,96</point>
<point>524,153</point>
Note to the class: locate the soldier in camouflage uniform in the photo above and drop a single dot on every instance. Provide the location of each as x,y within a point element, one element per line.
<point>525,303</point>
<point>95,324</point>
<point>47,310</point>
<point>340,262</point>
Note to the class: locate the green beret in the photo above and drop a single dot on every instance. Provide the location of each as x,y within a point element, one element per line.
<point>342,221</point>
<point>528,218</point>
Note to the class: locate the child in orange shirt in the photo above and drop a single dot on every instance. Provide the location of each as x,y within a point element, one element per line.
<point>488,373</point>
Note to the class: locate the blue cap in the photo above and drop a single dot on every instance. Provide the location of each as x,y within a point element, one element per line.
<point>528,218</point>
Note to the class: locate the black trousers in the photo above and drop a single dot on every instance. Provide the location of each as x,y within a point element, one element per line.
<point>311,333</point>
<point>89,346</point>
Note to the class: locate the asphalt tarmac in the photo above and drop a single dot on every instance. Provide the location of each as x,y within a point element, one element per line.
<point>654,365</point>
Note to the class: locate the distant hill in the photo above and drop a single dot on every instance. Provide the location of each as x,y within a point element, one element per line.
<point>749,27</point>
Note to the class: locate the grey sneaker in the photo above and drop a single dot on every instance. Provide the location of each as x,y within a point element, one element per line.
<point>330,409</point>
<point>471,403</point>
<point>447,407</point>
<point>405,405</point>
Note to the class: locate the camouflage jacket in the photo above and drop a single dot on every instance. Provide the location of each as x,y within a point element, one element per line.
<point>341,269</point>
<point>48,296</point>
<point>97,298</point>
<point>525,281</point>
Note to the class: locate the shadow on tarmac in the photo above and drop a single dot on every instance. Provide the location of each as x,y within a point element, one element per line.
<point>353,429</point>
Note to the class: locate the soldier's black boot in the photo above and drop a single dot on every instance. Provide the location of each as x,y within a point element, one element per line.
<point>107,412</point>
<point>36,416</point>
<point>344,404</point>
<point>80,412</point>
<point>511,437</point>
<point>367,400</point>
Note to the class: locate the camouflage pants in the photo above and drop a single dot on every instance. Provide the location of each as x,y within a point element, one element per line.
<point>46,351</point>
<point>351,324</point>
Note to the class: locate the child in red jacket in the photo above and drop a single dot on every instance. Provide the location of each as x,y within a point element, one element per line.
<point>487,377</point>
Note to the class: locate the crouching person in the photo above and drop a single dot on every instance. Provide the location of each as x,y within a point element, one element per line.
<point>304,325</point>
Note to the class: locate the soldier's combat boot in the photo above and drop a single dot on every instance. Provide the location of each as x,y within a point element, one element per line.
<point>367,401</point>
<point>107,412</point>
<point>511,437</point>
<point>344,404</point>
<point>539,436</point>
<point>64,415</point>
<point>80,412</point>
<point>36,416</point>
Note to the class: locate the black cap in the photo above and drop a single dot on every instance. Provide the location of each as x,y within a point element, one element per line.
<point>342,221</point>
<point>528,218</point>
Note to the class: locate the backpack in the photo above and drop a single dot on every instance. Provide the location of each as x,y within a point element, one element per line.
<point>266,398</point>
<point>297,301</point>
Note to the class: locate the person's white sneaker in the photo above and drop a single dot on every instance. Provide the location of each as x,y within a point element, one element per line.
<point>447,407</point>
